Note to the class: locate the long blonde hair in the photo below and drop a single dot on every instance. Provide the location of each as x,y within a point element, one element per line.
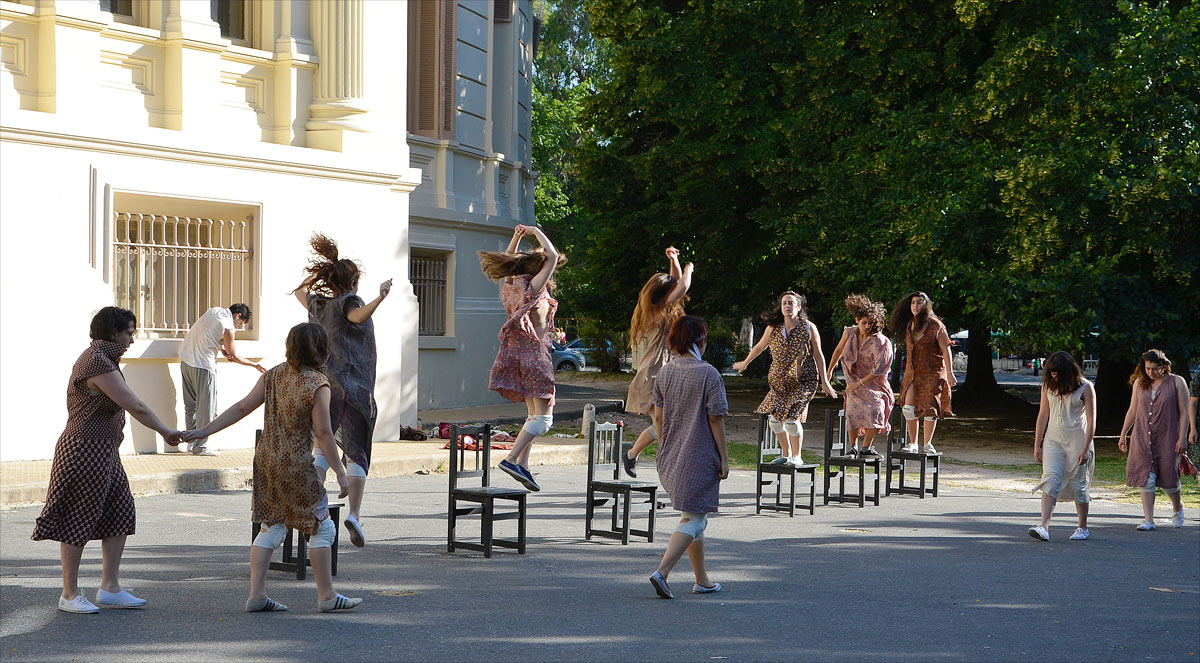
<point>498,265</point>
<point>651,309</point>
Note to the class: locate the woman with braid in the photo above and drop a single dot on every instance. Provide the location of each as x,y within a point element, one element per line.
<point>329,293</point>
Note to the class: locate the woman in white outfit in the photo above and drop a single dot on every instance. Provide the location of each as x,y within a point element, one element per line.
<point>1062,442</point>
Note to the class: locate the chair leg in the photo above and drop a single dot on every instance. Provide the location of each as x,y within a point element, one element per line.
<point>589,511</point>
<point>812,492</point>
<point>488,509</point>
<point>924,469</point>
<point>758,492</point>
<point>878,472</point>
<point>450,523</point>
<point>653,507</point>
<point>792,501</point>
<point>826,475</point>
<point>862,486</point>
<point>301,556</point>
<point>521,525</point>
<point>937,472</point>
<point>625,520</point>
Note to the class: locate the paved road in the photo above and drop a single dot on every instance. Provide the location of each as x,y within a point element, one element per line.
<point>952,578</point>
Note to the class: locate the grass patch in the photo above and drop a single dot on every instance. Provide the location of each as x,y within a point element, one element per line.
<point>741,456</point>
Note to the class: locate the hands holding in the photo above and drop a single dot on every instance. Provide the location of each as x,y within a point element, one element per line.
<point>190,435</point>
<point>259,368</point>
<point>520,230</point>
<point>173,437</point>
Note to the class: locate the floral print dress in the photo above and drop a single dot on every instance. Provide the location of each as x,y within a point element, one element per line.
<point>523,367</point>
<point>793,374</point>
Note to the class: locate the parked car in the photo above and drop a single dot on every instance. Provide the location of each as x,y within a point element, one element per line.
<point>586,346</point>
<point>566,359</point>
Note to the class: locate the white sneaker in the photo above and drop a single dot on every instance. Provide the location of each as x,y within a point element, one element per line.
<point>1080,534</point>
<point>929,448</point>
<point>1146,526</point>
<point>121,599</point>
<point>1039,532</point>
<point>206,452</point>
<point>799,460</point>
<point>79,605</point>
<point>910,448</point>
<point>1178,519</point>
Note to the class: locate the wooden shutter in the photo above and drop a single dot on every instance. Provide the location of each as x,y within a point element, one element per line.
<point>449,71</point>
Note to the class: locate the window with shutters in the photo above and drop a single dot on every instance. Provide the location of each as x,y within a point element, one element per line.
<point>503,13</point>
<point>234,17</point>
<point>431,68</point>
<point>429,274</point>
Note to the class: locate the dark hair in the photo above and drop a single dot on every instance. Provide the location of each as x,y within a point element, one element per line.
<point>687,331</point>
<point>861,306</point>
<point>774,317</point>
<point>902,316</point>
<point>1139,377</point>
<point>111,320</point>
<point>1070,376</point>
<point>327,274</point>
<point>650,310</point>
<point>498,265</point>
<point>307,346</point>
<point>240,309</point>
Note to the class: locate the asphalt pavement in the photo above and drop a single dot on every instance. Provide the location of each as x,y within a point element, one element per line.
<point>951,578</point>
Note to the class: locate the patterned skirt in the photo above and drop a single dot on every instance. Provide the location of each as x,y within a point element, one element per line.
<point>88,497</point>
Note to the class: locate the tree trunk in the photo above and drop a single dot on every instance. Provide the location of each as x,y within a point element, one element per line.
<point>1112,391</point>
<point>980,387</point>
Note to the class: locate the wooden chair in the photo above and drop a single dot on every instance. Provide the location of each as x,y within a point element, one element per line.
<point>483,497</point>
<point>837,464</point>
<point>773,474</point>
<point>604,449</point>
<point>898,461</point>
<point>295,548</point>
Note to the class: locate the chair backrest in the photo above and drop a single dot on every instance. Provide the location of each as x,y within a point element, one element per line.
<point>768,441</point>
<point>470,464</point>
<point>898,436</point>
<point>835,433</point>
<point>604,445</point>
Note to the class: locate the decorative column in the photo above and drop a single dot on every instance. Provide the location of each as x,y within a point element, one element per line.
<point>337,110</point>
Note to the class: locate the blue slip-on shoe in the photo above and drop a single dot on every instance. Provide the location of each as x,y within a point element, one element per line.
<point>519,473</point>
<point>529,481</point>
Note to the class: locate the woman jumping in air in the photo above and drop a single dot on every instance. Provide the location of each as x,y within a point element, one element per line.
<point>523,370</point>
<point>659,305</point>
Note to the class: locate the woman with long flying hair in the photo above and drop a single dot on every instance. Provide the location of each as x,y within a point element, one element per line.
<point>329,292</point>
<point>659,305</point>
<point>288,490</point>
<point>929,371</point>
<point>797,365</point>
<point>523,370</point>
<point>1158,419</point>
<point>866,356</point>
<point>1062,442</point>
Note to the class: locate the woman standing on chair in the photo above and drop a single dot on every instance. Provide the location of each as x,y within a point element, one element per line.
<point>1062,442</point>
<point>523,370</point>
<point>288,491</point>
<point>330,294</point>
<point>88,497</point>
<point>797,365</point>
<point>659,305</point>
<point>689,413</point>
<point>929,372</point>
<point>1158,418</point>
<point>866,356</point>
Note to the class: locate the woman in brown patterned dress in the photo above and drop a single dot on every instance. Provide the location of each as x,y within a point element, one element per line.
<point>659,305</point>
<point>88,497</point>
<point>929,372</point>
<point>797,364</point>
<point>1158,420</point>
<point>289,491</point>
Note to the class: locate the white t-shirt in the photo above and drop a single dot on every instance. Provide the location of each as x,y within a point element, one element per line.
<point>199,348</point>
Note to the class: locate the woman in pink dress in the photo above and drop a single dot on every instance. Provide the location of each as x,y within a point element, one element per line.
<point>523,370</point>
<point>866,356</point>
<point>1158,418</point>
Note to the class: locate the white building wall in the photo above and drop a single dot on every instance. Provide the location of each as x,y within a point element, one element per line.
<point>93,109</point>
<point>474,189</point>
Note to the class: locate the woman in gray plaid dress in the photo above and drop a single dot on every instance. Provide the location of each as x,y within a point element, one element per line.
<point>689,410</point>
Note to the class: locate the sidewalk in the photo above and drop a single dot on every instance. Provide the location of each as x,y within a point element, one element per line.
<point>24,482</point>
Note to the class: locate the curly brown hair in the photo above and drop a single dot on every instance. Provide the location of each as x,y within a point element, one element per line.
<point>498,265</point>
<point>1154,356</point>
<point>861,306</point>
<point>327,274</point>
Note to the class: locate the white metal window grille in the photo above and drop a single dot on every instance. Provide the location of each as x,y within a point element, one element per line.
<point>169,270</point>
<point>428,277</point>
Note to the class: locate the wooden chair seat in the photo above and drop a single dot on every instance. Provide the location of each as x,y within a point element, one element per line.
<point>774,474</point>
<point>604,448</point>
<point>837,464</point>
<point>898,461</point>
<point>483,495</point>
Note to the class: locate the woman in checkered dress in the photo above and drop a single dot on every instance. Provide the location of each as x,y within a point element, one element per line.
<point>689,413</point>
<point>88,497</point>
